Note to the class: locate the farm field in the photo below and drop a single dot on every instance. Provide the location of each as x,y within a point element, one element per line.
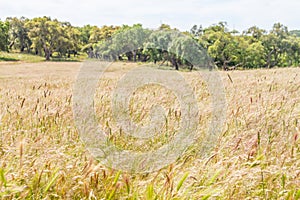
<point>43,157</point>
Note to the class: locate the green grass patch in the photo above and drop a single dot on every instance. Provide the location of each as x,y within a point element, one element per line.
<point>7,59</point>
<point>24,57</point>
<point>5,56</point>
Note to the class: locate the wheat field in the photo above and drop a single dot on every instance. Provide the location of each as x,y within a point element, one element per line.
<point>257,155</point>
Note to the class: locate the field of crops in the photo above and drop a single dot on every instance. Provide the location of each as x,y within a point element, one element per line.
<point>257,155</point>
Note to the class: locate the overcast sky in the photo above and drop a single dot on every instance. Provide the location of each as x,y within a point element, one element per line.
<point>182,14</point>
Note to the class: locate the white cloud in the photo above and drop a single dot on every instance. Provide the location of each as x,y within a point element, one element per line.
<point>239,14</point>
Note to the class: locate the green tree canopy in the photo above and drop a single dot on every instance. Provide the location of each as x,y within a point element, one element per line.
<point>4,28</point>
<point>18,34</point>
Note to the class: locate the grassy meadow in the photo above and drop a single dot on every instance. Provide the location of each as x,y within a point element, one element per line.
<point>42,156</point>
<point>30,58</point>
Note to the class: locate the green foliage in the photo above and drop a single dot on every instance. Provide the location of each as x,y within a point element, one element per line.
<point>85,33</point>
<point>255,48</point>
<point>255,55</point>
<point>4,28</point>
<point>157,46</point>
<point>140,45</point>
<point>295,32</point>
<point>98,34</point>
<point>222,46</point>
<point>255,33</point>
<point>18,34</point>
<point>127,42</point>
<point>50,36</point>
<point>53,39</point>
<point>165,27</point>
<point>196,31</point>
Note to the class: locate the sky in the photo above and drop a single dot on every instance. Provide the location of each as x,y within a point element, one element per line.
<point>181,14</point>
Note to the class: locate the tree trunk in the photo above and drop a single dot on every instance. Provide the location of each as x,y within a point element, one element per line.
<point>129,56</point>
<point>174,63</point>
<point>225,66</point>
<point>47,54</point>
<point>147,58</point>
<point>134,56</point>
<point>11,44</point>
<point>191,68</point>
<point>269,63</point>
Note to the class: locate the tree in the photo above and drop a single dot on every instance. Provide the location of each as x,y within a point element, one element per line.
<point>255,57</point>
<point>85,33</point>
<point>295,32</point>
<point>196,31</point>
<point>68,40</point>
<point>50,36</point>
<point>98,34</point>
<point>158,47</point>
<point>272,49</point>
<point>139,44</point>
<point>165,27</point>
<point>4,28</point>
<point>187,53</point>
<point>18,34</point>
<point>280,30</point>
<point>275,47</point>
<point>128,41</point>
<point>255,32</point>
<point>253,48</point>
<point>290,48</point>
<point>177,48</point>
<point>44,34</point>
<point>222,46</point>
<point>93,35</point>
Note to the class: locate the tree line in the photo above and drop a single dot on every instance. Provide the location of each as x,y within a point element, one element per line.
<point>229,49</point>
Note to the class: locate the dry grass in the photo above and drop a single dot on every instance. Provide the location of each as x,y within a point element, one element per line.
<point>42,157</point>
